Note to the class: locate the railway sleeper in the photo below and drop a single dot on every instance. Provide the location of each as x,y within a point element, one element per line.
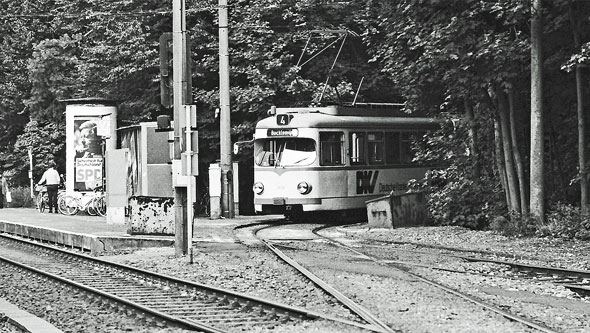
<point>193,309</point>
<point>175,302</point>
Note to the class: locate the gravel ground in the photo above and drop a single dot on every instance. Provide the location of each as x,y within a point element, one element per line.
<point>250,270</point>
<point>404,303</point>
<point>66,309</point>
<point>568,254</point>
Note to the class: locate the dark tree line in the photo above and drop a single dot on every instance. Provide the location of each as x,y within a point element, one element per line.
<point>469,59</point>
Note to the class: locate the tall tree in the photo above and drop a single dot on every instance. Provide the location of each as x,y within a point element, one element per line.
<point>537,182</point>
<point>522,181</point>
<point>508,156</point>
<point>584,200</point>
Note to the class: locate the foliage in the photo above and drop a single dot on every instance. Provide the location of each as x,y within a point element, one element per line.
<point>565,221</point>
<point>47,142</point>
<point>21,197</point>
<point>433,55</point>
<point>455,197</point>
<point>456,200</point>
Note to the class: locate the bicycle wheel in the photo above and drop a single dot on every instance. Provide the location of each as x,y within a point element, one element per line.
<point>91,208</point>
<point>101,206</point>
<point>61,205</point>
<point>41,201</point>
<point>69,205</point>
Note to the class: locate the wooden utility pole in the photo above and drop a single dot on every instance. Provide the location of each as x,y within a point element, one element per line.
<point>227,195</point>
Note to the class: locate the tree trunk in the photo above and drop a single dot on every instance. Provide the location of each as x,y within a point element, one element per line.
<point>500,161</point>
<point>584,205</point>
<point>470,118</point>
<point>511,178</point>
<point>517,157</point>
<point>537,186</point>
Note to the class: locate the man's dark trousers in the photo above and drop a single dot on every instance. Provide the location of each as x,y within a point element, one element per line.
<point>52,196</point>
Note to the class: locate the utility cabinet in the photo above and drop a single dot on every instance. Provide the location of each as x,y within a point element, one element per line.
<point>149,172</point>
<point>140,179</point>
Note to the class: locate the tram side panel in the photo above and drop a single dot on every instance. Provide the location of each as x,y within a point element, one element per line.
<point>331,189</point>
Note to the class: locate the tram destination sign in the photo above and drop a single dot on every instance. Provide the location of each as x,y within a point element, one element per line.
<point>272,132</point>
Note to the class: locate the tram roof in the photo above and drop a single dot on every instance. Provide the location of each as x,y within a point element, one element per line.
<point>349,117</point>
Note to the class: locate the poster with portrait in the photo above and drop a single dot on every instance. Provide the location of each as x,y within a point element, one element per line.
<point>88,159</point>
<point>88,138</point>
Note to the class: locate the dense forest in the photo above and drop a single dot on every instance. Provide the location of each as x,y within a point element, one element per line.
<point>514,72</point>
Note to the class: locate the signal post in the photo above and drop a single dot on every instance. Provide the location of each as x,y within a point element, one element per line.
<point>184,162</point>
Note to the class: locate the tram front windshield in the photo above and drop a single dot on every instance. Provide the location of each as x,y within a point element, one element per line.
<point>284,152</point>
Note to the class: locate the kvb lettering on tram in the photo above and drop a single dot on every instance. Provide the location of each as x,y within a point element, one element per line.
<point>365,181</point>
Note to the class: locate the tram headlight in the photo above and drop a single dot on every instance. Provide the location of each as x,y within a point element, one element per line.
<point>303,188</point>
<point>258,188</point>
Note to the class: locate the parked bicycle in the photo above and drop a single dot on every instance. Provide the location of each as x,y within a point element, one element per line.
<point>93,203</point>
<point>42,199</point>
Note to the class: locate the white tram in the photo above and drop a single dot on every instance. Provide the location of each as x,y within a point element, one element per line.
<point>334,158</point>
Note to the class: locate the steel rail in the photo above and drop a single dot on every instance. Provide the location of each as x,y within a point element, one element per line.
<point>378,325</point>
<point>285,309</point>
<point>579,287</point>
<point>440,286</point>
<point>547,269</point>
<point>283,222</point>
<point>356,308</point>
<point>164,316</point>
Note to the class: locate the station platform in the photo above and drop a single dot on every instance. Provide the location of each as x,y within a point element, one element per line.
<point>94,235</point>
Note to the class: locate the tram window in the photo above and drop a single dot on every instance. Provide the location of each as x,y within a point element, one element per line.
<point>284,152</point>
<point>393,148</point>
<point>296,151</point>
<point>331,145</point>
<point>357,148</point>
<point>265,152</point>
<point>375,148</point>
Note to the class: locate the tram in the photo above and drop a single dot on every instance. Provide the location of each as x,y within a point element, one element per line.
<point>333,158</point>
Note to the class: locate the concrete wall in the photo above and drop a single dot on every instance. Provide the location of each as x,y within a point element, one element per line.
<point>92,243</point>
<point>397,210</point>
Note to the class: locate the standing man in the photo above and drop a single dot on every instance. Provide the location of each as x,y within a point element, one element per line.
<point>51,179</point>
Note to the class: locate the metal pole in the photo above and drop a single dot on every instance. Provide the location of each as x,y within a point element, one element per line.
<point>227,195</point>
<point>190,185</point>
<point>179,83</point>
<point>31,171</point>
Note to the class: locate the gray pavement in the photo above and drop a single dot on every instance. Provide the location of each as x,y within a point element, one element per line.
<point>83,224</point>
<point>92,233</point>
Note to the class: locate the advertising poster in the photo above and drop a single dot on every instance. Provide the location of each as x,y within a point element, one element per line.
<point>90,132</point>
<point>88,159</point>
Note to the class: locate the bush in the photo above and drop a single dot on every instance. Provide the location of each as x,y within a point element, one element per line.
<point>565,221</point>
<point>456,200</point>
<point>21,197</point>
<point>515,226</point>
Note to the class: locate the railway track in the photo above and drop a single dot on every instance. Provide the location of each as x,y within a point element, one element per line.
<point>575,280</point>
<point>274,246</point>
<point>371,322</point>
<point>555,275</point>
<point>171,300</point>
